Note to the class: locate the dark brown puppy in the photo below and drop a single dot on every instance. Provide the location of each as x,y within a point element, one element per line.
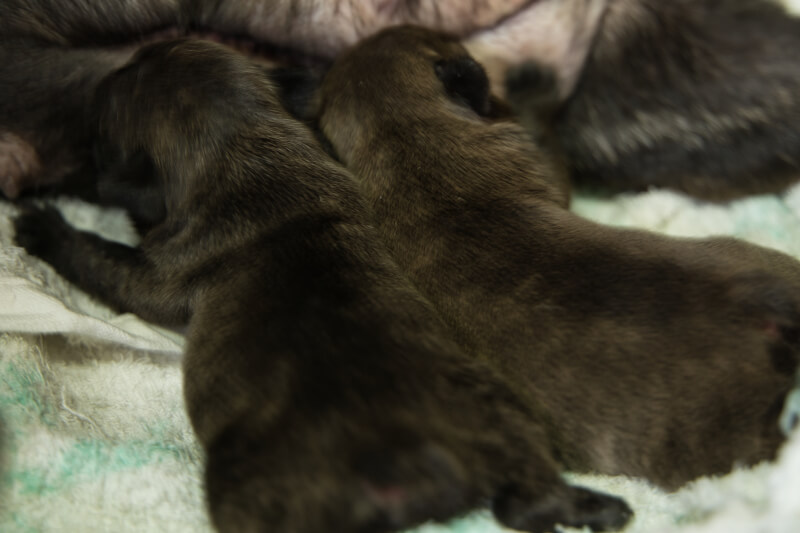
<point>322,385</point>
<point>655,357</point>
<point>695,95</point>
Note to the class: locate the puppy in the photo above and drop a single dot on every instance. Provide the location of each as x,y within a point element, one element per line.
<point>324,388</point>
<point>699,96</point>
<point>655,357</point>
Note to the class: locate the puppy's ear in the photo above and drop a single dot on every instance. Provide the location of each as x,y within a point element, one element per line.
<point>297,87</point>
<point>465,80</point>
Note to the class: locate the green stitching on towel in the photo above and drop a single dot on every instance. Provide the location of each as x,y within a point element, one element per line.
<point>90,459</point>
<point>21,525</point>
<point>23,394</point>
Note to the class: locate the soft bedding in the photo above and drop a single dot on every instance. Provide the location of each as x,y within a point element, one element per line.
<point>94,437</point>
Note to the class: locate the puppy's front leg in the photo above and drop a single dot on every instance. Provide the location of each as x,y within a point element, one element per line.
<point>119,275</point>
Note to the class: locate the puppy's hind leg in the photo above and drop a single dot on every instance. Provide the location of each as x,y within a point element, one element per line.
<point>534,497</point>
<point>527,505</point>
<point>119,275</point>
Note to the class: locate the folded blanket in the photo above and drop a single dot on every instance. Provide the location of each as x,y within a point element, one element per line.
<point>94,437</point>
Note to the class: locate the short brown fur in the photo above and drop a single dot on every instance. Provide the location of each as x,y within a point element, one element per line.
<point>656,357</point>
<point>324,388</point>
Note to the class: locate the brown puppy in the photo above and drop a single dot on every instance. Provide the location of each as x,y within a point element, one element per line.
<point>655,357</point>
<point>322,385</point>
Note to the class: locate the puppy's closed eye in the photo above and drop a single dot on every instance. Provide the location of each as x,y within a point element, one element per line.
<point>466,81</point>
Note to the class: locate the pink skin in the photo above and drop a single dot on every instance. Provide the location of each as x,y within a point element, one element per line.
<point>324,28</point>
<point>18,161</point>
<point>498,33</point>
<point>556,33</point>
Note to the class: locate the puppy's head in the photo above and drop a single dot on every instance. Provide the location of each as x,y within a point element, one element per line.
<point>177,103</point>
<point>404,70</point>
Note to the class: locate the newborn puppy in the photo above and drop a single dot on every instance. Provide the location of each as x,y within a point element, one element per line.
<point>323,387</point>
<point>700,96</point>
<point>655,357</point>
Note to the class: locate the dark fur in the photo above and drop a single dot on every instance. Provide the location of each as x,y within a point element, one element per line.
<point>702,96</point>
<point>322,385</point>
<point>656,357</point>
<point>698,95</point>
<point>52,56</point>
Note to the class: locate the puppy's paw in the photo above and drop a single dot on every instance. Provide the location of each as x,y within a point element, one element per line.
<point>532,92</point>
<point>601,512</point>
<point>532,87</point>
<point>571,507</point>
<point>530,78</point>
<point>43,232</point>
